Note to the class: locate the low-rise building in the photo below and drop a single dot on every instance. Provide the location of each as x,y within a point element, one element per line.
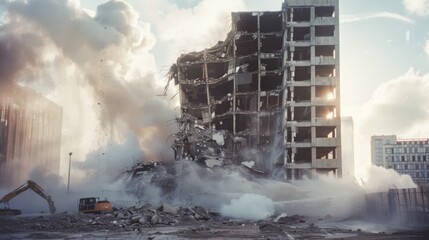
<point>406,156</point>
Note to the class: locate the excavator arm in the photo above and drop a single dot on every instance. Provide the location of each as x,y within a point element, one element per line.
<point>33,186</point>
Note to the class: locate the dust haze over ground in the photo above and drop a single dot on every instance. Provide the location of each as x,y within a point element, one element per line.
<point>250,208</point>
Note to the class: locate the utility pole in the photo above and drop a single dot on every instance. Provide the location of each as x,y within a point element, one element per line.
<point>68,183</point>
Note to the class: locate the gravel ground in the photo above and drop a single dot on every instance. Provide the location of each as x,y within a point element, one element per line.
<point>168,222</point>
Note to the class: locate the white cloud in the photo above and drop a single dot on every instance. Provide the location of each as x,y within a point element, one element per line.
<point>180,30</point>
<point>368,16</point>
<point>398,107</point>
<point>419,7</point>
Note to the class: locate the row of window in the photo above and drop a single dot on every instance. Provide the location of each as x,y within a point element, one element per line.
<point>405,166</point>
<point>407,150</point>
<point>407,158</point>
<point>413,142</point>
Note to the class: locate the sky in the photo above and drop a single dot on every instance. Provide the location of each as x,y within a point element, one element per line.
<point>384,64</point>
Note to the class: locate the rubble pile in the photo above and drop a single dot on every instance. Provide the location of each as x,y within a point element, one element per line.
<point>128,219</point>
<point>167,220</point>
<point>147,216</point>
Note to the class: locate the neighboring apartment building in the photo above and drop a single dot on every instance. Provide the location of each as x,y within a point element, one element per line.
<point>273,82</point>
<point>406,156</point>
<point>30,135</point>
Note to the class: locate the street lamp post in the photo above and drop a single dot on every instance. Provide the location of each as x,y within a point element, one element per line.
<point>68,182</point>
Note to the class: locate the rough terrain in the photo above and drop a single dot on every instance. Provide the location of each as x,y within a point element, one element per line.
<point>168,222</point>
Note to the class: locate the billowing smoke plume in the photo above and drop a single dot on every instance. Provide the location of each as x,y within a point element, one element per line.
<point>97,66</point>
<point>194,28</point>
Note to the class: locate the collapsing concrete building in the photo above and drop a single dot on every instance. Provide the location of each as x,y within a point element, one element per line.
<point>272,86</point>
<point>30,135</point>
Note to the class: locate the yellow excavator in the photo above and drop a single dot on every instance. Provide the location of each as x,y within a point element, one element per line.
<point>24,187</point>
<point>92,205</point>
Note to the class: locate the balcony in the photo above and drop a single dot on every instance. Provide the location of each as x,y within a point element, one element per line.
<point>326,142</point>
<point>300,104</point>
<point>299,83</point>
<point>303,144</point>
<point>324,61</point>
<point>300,63</point>
<point>326,81</point>
<point>326,163</point>
<point>299,24</point>
<point>324,21</point>
<point>323,101</point>
<point>323,41</point>
<point>299,44</point>
<point>321,121</point>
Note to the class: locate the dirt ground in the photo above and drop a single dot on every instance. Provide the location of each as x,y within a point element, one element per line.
<point>167,222</point>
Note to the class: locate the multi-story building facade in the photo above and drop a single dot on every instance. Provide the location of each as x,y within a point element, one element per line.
<point>406,156</point>
<point>274,82</point>
<point>30,135</point>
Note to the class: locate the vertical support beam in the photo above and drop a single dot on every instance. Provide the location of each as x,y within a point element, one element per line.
<point>338,87</point>
<point>234,100</point>
<point>285,88</point>
<point>206,78</point>
<point>258,123</point>
<point>292,86</point>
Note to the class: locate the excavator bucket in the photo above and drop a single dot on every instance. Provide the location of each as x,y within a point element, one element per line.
<point>52,208</point>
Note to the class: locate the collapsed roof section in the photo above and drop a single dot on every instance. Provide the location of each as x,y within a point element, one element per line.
<point>234,90</point>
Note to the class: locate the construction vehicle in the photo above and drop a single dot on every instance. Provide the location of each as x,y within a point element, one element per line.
<point>93,205</point>
<point>24,187</point>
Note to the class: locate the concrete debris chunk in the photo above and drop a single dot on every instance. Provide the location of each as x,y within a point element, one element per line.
<point>218,137</point>
<point>142,220</point>
<point>166,208</point>
<point>130,212</point>
<point>169,220</point>
<point>270,227</point>
<point>119,215</point>
<point>136,219</point>
<point>200,213</point>
<point>155,219</point>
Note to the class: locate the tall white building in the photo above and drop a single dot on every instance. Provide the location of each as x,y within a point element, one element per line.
<point>406,156</point>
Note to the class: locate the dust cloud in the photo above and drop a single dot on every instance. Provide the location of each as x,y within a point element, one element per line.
<point>249,206</point>
<point>98,67</point>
